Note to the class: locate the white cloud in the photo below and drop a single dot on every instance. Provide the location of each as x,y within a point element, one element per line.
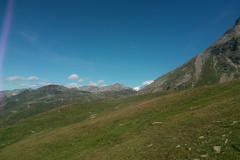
<point>73,76</point>
<point>91,83</point>
<point>100,82</point>
<point>20,78</point>
<point>83,79</point>
<point>34,78</point>
<point>28,85</point>
<point>137,88</point>
<point>73,85</point>
<point>46,83</point>
<point>16,78</point>
<point>80,80</point>
<point>147,82</point>
<point>144,84</point>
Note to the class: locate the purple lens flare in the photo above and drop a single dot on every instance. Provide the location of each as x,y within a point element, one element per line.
<point>3,39</point>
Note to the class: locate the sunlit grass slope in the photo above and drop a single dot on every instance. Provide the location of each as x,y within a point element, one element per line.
<point>165,125</point>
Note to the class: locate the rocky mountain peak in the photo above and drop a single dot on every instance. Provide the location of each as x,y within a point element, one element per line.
<point>118,85</point>
<point>237,21</point>
<point>233,32</point>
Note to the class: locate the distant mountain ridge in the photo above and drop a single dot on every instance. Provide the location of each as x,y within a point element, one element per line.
<point>113,87</point>
<point>53,88</point>
<point>218,63</point>
<point>9,93</point>
<point>23,103</point>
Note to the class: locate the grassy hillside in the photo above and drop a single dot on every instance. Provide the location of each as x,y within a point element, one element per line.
<point>164,125</point>
<point>32,102</point>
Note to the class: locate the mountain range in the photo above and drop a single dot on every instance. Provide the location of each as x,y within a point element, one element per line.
<point>113,87</point>
<point>19,104</point>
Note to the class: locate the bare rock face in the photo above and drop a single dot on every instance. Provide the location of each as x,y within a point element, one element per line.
<point>237,21</point>
<point>218,63</point>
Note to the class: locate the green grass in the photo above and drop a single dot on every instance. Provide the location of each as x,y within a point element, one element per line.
<point>30,103</point>
<point>124,129</point>
<point>209,75</point>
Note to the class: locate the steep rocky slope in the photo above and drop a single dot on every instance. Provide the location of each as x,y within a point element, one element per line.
<point>218,63</point>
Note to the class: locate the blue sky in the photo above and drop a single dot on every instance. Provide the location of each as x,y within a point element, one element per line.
<point>101,42</point>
